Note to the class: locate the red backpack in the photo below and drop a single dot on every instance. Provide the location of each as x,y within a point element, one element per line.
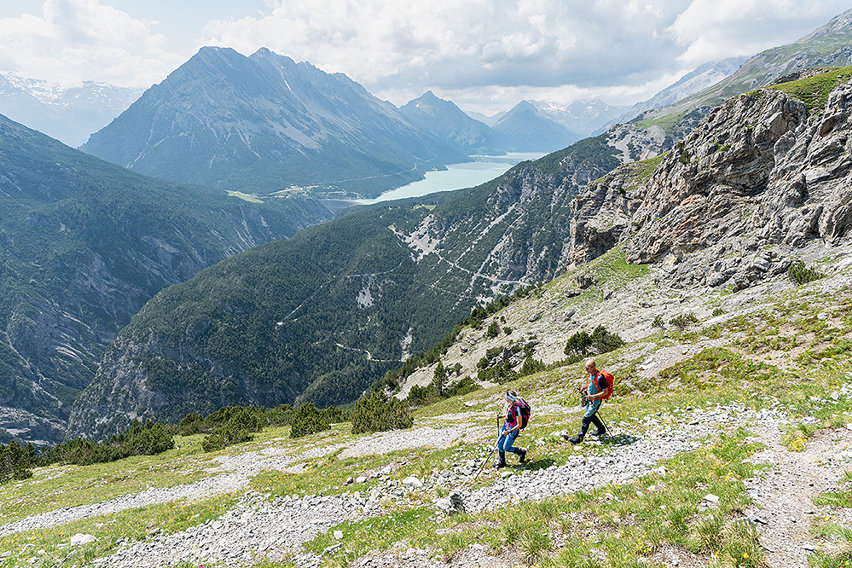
<point>610,381</point>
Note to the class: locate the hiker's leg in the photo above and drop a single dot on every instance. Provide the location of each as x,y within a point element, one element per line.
<point>501,442</point>
<point>598,424</point>
<point>584,427</point>
<point>510,439</point>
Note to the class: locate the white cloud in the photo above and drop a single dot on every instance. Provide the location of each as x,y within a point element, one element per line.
<point>487,50</point>
<point>540,43</point>
<point>518,48</point>
<point>73,40</point>
<point>715,29</point>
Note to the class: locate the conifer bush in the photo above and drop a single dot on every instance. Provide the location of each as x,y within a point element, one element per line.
<point>377,413</point>
<point>141,439</point>
<point>493,330</point>
<point>16,461</point>
<point>308,419</point>
<point>801,274</point>
<point>227,435</point>
<point>583,344</point>
<point>281,415</point>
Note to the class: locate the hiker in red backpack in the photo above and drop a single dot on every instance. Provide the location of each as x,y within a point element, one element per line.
<point>515,420</point>
<point>598,389</point>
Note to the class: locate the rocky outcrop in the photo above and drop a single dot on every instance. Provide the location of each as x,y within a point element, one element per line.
<point>757,178</point>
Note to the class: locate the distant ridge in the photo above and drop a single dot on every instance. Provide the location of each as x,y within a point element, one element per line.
<point>67,114</point>
<point>264,122</point>
<point>829,45</point>
<point>447,122</point>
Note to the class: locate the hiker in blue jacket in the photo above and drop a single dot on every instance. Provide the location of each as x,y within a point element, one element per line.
<point>598,389</point>
<point>511,429</point>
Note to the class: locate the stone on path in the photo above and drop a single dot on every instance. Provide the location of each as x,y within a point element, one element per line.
<point>81,538</point>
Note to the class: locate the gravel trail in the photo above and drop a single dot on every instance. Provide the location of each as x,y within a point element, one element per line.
<point>783,508</point>
<point>258,529</point>
<point>236,470</point>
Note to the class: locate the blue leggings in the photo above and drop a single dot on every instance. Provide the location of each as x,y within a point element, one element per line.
<point>504,443</point>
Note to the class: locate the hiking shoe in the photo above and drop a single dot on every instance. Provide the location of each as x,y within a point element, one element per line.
<point>522,456</point>
<point>500,464</point>
<point>576,439</point>
<point>599,433</point>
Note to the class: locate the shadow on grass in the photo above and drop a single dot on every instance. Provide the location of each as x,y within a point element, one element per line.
<point>618,440</point>
<point>536,464</point>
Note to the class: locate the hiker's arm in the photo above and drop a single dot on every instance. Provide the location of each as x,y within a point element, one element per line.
<point>517,414</point>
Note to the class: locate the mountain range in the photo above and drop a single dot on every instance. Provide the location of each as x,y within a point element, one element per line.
<point>105,286</point>
<point>447,122</point>
<point>67,114</point>
<point>263,123</point>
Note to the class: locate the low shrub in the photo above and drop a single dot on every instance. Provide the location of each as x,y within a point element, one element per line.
<point>463,386</point>
<point>308,419</point>
<point>281,415</point>
<point>227,435</point>
<point>531,366</point>
<point>16,461</point>
<point>583,344</point>
<point>377,413</point>
<point>683,321</point>
<point>801,274</point>
<point>493,330</point>
<point>140,439</point>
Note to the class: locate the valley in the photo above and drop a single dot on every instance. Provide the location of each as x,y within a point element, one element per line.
<point>267,318</point>
<point>686,432</point>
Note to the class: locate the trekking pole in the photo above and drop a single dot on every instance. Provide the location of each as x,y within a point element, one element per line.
<point>494,447</point>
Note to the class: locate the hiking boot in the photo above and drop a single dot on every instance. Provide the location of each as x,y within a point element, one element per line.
<point>522,456</point>
<point>500,464</point>
<point>576,439</point>
<point>598,433</point>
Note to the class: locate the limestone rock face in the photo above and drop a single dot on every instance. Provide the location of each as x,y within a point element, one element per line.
<point>755,179</point>
<point>708,187</point>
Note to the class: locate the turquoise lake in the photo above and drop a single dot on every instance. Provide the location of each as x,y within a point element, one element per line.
<point>457,176</point>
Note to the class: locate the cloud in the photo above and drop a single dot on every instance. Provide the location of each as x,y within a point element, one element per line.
<point>447,44</point>
<point>715,29</point>
<point>615,47</point>
<point>74,40</point>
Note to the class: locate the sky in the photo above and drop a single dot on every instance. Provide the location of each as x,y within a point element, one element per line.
<point>485,55</point>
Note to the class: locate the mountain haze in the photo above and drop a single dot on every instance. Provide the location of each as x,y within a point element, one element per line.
<point>67,114</point>
<point>698,79</point>
<point>827,46</point>
<point>544,126</point>
<point>264,122</point>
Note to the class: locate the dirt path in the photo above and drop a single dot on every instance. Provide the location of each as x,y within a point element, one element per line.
<point>783,508</point>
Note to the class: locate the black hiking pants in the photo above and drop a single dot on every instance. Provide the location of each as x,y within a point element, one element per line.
<point>593,419</point>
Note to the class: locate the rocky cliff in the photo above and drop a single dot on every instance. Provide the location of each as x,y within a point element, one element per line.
<point>758,178</point>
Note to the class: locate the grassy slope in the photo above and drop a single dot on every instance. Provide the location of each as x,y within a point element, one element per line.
<point>775,347</point>
<point>814,91</point>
